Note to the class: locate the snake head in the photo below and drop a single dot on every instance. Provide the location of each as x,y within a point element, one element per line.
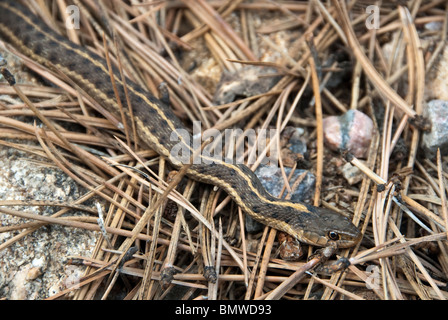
<point>327,226</point>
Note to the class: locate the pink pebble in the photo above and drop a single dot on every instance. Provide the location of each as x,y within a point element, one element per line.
<point>351,131</point>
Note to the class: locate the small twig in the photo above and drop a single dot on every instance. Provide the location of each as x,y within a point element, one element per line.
<point>335,288</point>
<point>319,127</point>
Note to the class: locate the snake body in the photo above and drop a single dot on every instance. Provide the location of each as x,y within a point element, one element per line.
<point>156,123</point>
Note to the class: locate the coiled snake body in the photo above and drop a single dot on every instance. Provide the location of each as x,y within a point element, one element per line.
<point>155,122</point>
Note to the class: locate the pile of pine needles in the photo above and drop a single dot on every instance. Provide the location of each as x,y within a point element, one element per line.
<point>192,251</point>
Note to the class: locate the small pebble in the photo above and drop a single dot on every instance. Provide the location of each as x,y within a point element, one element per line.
<point>293,147</point>
<point>289,248</point>
<point>289,158</point>
<point>33,273</point>
<point>437,114</point>
<point>352,131</point>
<point>433,26</point>
<point>351,173</point>
<point>296,141</point>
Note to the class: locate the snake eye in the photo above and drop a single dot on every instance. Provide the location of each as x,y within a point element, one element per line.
<point>333,235</point>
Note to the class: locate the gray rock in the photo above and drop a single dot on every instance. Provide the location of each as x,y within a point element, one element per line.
<point>297,144</point>
<point>35,267</point>
<point>351,173</point>
<point>272,180</point>
<point>437,113</point>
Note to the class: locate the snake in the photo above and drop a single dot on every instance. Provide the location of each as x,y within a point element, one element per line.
<point>156,124</point>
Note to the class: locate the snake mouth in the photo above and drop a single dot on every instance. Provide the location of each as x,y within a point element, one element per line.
<point>314,239</point>
<point>349,240</point>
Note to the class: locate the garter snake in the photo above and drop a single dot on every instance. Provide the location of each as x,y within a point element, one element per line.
<point>156,122</point>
